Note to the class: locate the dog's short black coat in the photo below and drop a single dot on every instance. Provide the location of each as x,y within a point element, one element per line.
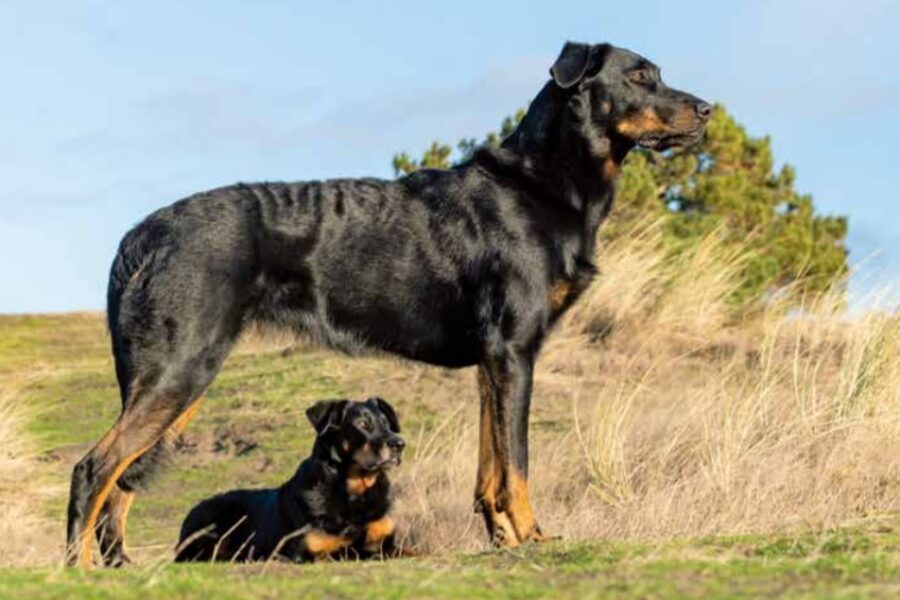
<point>466,266</point>
<point>336,504</point>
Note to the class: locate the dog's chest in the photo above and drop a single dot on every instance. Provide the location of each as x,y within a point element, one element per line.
<point>571,279</point>
<point>358,485</point>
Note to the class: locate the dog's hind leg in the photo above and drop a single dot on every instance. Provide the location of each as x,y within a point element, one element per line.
<point>505,381</point>
<point>111,524</point>
<point>160,401</point>
<point>138,429</point>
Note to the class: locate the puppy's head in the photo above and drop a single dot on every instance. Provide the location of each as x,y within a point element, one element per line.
<point>361,434</point>
<point>621,94</point>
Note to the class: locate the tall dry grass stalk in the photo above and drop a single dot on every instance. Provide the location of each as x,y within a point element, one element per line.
<point>23,487</point>
<point>640,285</point>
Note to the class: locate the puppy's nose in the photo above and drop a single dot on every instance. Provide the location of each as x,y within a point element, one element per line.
<point>396,444</point>
<point>704,110</point>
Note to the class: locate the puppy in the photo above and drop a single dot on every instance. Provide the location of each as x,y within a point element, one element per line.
<point>335,505</point>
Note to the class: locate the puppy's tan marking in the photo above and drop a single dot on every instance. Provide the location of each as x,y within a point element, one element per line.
<point>377,531</point>
<point>358,483</point>
<point>322,545</point>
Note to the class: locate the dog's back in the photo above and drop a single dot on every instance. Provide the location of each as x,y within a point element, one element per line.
<point>234,526</point>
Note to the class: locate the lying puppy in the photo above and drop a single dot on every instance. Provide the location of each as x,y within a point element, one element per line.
<point>336,505</point>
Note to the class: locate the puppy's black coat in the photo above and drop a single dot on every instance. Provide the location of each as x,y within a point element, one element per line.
<point>465,266</point>
<point>336,504</point>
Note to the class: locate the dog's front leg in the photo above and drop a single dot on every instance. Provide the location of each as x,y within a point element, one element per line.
<point>501,494</point>
<point>321,545</point>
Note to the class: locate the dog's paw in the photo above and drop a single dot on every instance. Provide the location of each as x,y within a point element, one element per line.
<point>537,536</point>
<point>118,561</point>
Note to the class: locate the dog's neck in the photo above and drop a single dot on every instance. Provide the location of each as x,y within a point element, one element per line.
<point>326,452</point>
<point>358,482</point>
<point>560,141</point>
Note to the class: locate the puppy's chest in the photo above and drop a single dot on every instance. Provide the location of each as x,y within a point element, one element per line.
<point>357,486</point>
<point>367,500</point>
<point>353,502</point>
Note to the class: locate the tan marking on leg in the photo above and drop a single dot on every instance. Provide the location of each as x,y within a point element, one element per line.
<point>322,545</point>
<point>488,483</point>
<point>122,500</point>
<point>380,539</point>
<point>117,506</point>
<point>520,511</point>
<point>181,423</point>
<point>85,559</point>
<point>376,531</point>
<point>122,515</point>
<point>106,450</point>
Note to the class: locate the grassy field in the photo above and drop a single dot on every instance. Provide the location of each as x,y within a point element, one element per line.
<point>847,564</point>
<point>675,452</point>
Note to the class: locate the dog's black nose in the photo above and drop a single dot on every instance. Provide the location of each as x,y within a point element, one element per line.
<point>704,110</point>
<point>396,444</point>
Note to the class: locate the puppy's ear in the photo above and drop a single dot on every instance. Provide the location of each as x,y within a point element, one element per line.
<point>389,412</point>
<point>326,413</point>
<point>575,62</point>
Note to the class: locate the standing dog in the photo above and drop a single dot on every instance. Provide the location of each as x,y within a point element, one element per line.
<point>465,266</point>
<point>336,503</point>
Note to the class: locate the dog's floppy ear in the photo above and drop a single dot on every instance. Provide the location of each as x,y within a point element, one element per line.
<point>571,64</point>
<point>575,61</point>
<point>389,412</point>
<point>326,413</point>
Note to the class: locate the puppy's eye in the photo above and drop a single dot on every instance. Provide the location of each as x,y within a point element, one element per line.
<point>364,424</point>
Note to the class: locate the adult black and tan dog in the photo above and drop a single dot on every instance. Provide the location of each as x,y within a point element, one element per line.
<point>336,503</point>
<point>466,266</point>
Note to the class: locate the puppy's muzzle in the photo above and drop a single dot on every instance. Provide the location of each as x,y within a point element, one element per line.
<point>391,452</point>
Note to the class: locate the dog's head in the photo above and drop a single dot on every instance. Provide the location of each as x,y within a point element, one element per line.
<point>363,435</point>
<point>620,94</point>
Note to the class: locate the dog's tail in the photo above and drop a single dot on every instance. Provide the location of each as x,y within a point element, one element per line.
<point>138,250</point>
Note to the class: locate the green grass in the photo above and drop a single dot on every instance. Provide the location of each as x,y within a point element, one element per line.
<point>846,563</point>
<point>63,365</point>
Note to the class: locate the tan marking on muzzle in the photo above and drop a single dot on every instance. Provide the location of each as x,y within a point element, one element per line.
<point>641,123</point>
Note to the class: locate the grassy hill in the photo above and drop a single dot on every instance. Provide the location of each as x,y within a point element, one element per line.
<point>675,450</point>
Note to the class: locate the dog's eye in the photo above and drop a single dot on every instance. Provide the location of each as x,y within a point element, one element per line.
<point>364,425</point>
<point>640,76</point>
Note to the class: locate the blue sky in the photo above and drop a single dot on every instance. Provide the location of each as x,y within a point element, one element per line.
<point>110,110</point>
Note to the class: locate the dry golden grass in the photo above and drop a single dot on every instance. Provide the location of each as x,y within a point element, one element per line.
<point>23,485</point>
<point>670,420</point>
